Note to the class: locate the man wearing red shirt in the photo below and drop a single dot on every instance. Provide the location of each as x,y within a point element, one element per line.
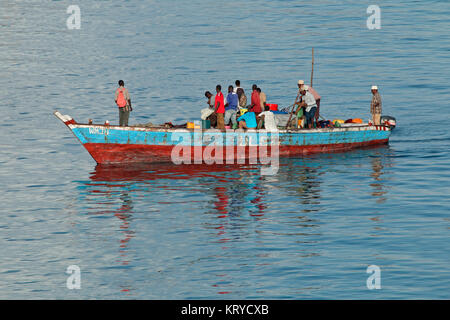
<point>219,108</point>
<point>256,101</point>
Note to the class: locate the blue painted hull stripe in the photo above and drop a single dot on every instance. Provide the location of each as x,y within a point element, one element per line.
<point>100,134</point>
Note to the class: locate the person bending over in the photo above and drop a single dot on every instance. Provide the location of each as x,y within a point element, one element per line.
<point>247,121</point>
<point>309,103</point>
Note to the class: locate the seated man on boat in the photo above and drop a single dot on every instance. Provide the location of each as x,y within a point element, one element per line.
<point>309,104</point>
<point>268,118</point>
<point>247,120</point>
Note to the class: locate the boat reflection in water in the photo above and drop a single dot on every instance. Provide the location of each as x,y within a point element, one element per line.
<point>228,204</point>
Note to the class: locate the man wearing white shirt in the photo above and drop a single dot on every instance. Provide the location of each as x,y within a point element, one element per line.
<point>316,95</point>
<point>238,86</point>
<point>269,120</point>
<point>309,103</point>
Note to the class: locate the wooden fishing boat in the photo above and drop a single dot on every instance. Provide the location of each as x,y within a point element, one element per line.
<point>115,144</point>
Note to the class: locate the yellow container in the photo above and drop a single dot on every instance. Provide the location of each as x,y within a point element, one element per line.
<point>243,110</point>
<point>190,125</point>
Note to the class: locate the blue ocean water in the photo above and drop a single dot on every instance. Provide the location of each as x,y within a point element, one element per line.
<point>218,232</point>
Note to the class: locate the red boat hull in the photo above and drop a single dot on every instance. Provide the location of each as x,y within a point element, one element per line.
<point>124,153</point>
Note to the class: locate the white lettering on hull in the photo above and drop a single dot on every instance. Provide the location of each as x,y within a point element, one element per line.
<point>98,130</point>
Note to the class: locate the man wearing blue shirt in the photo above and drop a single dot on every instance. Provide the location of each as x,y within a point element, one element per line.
<point>231,105</point>
<point>247,121</point>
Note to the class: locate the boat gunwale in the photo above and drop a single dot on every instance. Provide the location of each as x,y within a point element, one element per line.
<point>71,123</point>
<point>212,130</point>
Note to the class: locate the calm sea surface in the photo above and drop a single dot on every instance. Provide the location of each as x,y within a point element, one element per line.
<point>223,232</point>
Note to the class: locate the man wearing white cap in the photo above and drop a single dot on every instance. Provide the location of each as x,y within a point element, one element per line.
<point>375,106</point>
<point>315,95</point>
<point>309,103</point>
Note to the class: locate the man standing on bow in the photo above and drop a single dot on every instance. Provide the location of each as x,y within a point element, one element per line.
<point>123,101</point>
<point>375,106</point>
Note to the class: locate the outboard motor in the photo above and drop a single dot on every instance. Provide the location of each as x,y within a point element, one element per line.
<point>389,121</point>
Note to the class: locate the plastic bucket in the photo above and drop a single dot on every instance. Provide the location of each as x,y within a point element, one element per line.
<point>206,124</point>
<point>272,106</point>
